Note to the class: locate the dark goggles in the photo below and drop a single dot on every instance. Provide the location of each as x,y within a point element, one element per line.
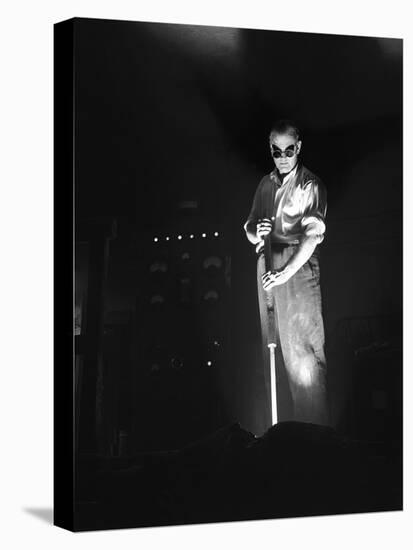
<point>277,153</point>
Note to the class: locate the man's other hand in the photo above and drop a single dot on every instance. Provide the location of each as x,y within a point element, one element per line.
<point>275,278</point>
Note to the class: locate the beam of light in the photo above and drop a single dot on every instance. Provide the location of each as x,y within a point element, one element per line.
<point>216,234</point>
<point>191,236</point>
<point>156,239</point>
<point>167,238</point>
<point>304,370</point>
<point>204,235</point>
<point>179,237</point>
<point>304,366</point>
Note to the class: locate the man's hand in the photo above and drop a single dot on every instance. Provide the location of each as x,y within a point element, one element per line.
<point>275,278</point>
<point>264,227</point>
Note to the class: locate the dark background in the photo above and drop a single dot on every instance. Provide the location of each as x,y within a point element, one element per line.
<point>173,113</point>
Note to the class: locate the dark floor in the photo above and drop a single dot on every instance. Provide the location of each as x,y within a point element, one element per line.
<point>294,469</point>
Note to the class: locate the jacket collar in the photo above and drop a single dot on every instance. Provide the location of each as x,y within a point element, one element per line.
<point>275,176</point>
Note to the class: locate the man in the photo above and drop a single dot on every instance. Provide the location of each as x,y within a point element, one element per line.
<point>290,205</point>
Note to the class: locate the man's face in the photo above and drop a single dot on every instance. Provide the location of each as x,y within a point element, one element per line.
<point>281,146</point>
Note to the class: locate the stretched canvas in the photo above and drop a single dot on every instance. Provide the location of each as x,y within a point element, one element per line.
<point>163,413</point>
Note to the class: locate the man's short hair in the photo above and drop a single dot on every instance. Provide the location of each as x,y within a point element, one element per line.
<point>285,126</point>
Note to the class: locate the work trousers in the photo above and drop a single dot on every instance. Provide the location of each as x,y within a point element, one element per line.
<point>299,335</point>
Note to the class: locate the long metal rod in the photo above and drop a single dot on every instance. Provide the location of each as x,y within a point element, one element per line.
<point>274,413</point>
<point>271,335</point>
